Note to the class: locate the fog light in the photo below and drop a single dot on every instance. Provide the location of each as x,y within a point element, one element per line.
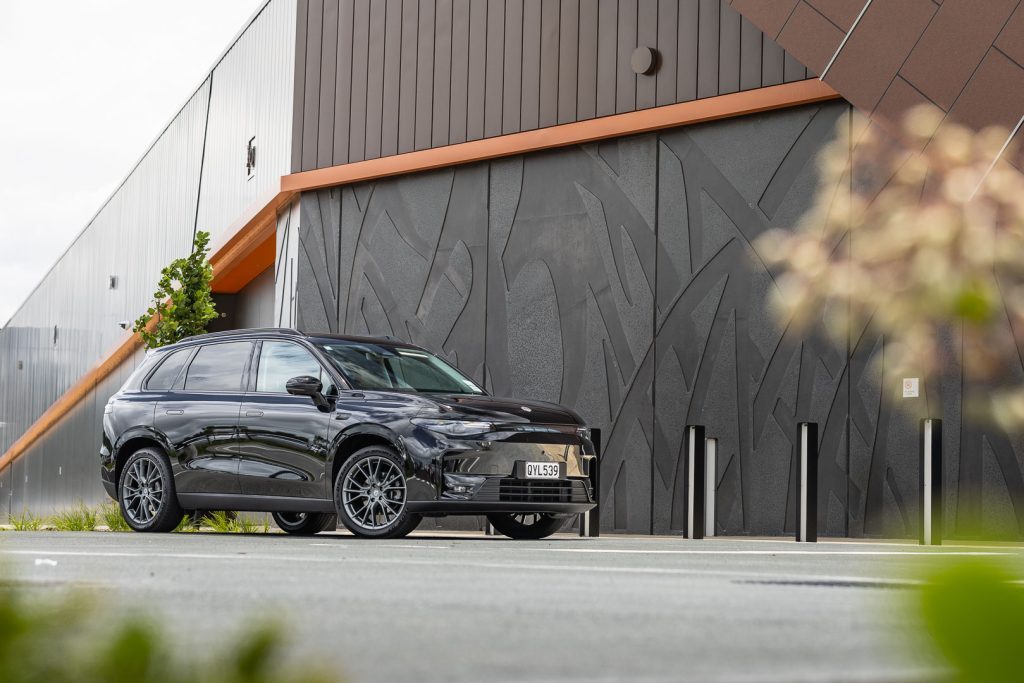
<point>462,484</point>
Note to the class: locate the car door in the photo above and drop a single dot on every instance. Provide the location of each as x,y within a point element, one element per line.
<point>199,418</point>
<point>283,438</point>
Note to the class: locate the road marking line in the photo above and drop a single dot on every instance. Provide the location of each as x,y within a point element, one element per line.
<point>957,553</point>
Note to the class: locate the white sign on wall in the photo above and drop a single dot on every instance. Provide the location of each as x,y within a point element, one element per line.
<point>911,387</point>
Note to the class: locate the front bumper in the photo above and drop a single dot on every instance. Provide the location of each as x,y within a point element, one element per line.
<point>481,495</point>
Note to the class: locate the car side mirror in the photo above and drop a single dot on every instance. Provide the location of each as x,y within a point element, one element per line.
<point>305,385</point>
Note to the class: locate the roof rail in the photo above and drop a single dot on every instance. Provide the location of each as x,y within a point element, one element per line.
<point>283,331</point>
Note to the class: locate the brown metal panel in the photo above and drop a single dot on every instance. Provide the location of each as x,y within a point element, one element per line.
<point>530,109</point>
<point>302,9</point>
<point>392,76</point>
<point>646,36</point>
<point>477,70</point>
<point>686,60</point>
<point>328,82</point>
<point>512,79</point>
<point>357,104</point>
<point>773,60</point>
<point>460,71</point>
<point>842,13</point>
<point>495,71</point>
<point>994,96</point>
<point>811,38</point>
<point>668,27</point>
<point>952,47</point>
<point>877,48</point>
<point>729,33</point>
<point>549,62</point>
<point>407,77</point>
<point>568,59</point>
<point>343,88</point>
<point>375,79</point>
<point>768,15</point>
<point>750,55</point>
<point>708,19</point>
<point>607,50</point>
<point>625,80</point>
<point>1011,38</point>
<point>442,72</point>
<point>425,74</point>
<point>311,106</point>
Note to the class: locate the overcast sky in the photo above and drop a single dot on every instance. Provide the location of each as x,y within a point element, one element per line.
<point>85,87</point>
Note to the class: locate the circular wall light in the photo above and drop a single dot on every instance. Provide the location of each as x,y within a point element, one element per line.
<point>644,60</point>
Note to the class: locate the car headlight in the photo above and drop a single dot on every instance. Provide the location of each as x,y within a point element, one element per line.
<point>454,427</point>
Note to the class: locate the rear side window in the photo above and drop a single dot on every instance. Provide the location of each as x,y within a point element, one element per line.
<point>281,361</point>
<point>163,378</point>
<point>218,367</point>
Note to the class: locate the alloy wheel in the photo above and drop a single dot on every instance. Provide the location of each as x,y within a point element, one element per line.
<point>374,493</point>
<point>143,491</point>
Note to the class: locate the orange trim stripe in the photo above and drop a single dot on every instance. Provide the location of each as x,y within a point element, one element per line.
<point>249,249</point>
<point>686,113</point>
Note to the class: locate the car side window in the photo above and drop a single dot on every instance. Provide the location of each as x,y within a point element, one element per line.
<point>163,378</point>
<point>218,367</point>
<point>281,361</point>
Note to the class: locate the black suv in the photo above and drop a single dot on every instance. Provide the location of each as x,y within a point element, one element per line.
<point>317,427</point>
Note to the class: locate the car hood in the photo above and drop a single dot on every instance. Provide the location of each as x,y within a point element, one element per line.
<point>493,409</point>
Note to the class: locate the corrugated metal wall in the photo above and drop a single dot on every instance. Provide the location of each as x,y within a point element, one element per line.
<point>375,78</point>
<point>69,322</point>
<point>251,100</point>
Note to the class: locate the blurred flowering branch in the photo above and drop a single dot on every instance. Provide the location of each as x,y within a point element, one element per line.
<point>938,251</point>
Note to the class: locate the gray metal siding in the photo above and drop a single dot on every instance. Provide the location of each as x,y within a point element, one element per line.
<point>468,70</point>
<point>193,173</point>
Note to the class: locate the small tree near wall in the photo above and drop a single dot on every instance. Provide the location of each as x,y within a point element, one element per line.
<point>183,302</point>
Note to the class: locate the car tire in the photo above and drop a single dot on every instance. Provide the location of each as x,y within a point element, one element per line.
<point>305,523</point>
<point>371,495</point>
<point>146,493</point>
<point>527,526</point>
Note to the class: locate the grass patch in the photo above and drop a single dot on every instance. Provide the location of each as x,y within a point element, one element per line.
<point>112,518</point>
<point>187,524</point>
<point>221,522</point>
<point>77,518</point>
<point>26,521</point>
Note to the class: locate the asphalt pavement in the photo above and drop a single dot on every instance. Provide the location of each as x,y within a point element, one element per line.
<point>467,607</point>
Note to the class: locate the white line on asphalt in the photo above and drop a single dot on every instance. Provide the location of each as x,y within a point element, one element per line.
<point>582,569</point>
<point>428,547</point>
<point>772,552</point>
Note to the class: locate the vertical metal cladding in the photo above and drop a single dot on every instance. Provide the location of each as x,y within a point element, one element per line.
<point>373,79</point>
<point>251,100</point>
<point>70,321</point>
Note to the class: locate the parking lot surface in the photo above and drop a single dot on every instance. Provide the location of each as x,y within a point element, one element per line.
<point>466,607</point>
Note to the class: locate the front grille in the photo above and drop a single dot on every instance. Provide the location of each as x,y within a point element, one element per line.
<point>507,490</point>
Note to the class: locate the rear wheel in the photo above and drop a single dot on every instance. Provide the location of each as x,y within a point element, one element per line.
<point>146,493</point>
<point>371,495</point>
<point>526,525</point>
<point>305,523</point>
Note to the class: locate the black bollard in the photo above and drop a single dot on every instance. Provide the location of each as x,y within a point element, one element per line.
<point>807,483</point>
<point>696,461</point>
<point>931,482</point>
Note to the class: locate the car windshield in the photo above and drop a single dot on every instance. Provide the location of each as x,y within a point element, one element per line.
<point>390,368</point>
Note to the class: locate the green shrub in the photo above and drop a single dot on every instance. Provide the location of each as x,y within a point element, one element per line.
<point>77,518</point>
<point>974,612</point>
<point>221,521</point>
<point>112,518</point>
<point>56,642</point>
<point>26,521</point>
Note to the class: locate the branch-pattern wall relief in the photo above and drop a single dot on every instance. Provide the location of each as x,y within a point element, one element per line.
<point>619,278</point>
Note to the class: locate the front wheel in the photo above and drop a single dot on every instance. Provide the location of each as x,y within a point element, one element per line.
<point>146,493</point>
<point>305,523</point>
<point>371,495</point>
<point>526,525</point>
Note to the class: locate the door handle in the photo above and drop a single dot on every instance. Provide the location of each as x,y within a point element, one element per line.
<point>254,413</point>
<point>342,416</point>
<point>175,412</point>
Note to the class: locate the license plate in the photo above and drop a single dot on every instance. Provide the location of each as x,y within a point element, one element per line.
<point>543,470</point>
